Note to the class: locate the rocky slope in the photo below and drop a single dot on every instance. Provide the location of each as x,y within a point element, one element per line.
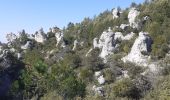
<point>113,56</point>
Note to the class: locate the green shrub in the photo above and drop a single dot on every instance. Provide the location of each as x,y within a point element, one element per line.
<point>125,88</point>
<point>86,75</point>
<point>109,75</point>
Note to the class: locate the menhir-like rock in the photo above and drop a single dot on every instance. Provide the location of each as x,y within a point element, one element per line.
<point>59,37</point>
<point>40,36</point>
<point>75,45</point>
<point>140,49</point>
<point>133,13</point>
<point>11,37</point>
<point>116,13</point>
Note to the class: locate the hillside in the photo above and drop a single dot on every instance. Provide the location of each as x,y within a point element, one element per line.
<point>122,54</point>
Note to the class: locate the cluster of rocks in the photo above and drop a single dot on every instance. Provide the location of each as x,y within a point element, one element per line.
<point>99,90</point>
<point>108,42</point>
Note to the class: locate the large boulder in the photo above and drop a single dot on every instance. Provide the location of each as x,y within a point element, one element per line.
<point>133,13</point>
<point>59,37</point>
<point>75,45</point>
<point>140,49</point>
<point>40,36</point>
<point>116,13</point>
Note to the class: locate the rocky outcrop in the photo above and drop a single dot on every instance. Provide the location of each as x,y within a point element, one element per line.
<point>123,26</point>
<point>11,37</point>
<point>26,46</point>
<point>139,50</point>
<point>98,90</point>
<point>133,13</point>
<point>116,13</point>
<point>59,37</point>
<point>99,77</point>
<point>40,36</point>
<point>75,45</point>
<point>108,42</point>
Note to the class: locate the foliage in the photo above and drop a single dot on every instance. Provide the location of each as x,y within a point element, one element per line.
<point>86,75</point>
<point>161,90</point>
<point>125,88</point>
<point>94,62</point>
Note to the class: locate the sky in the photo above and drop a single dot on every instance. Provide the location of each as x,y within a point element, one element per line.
<point>31,15</point>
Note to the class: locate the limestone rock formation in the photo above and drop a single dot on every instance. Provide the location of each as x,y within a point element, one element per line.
<point>99,77</point>
<point>115,13</point>
<point>59,37</point>
<point>133,13</point>
<point>75,45</point>
<point>139,50</point>
<point>26,46</point>
<point>98,90</point>
<point>40,36</point>
<point>123,26</point>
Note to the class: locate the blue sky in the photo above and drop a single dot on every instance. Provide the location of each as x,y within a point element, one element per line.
<point>31,15</point>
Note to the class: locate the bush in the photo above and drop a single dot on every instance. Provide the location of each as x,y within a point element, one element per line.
<point>133,70</point>
<point>109,75</point>
<point>86,75</point>
<point>70,88</point>
<point>73,60</point>
<point>160,91</point>
<point>125,88</point>
<point>94,62</point>
<point>41,67</point>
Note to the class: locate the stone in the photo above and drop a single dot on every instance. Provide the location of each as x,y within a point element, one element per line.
<point>108,42</point>
<point>40,36</point>
<point>141,45</point>
<point>133,13</point>
<point>26,46</point>
<point>98,90</point>
<point>123,26</point>
<point>75,45</point>
<point>115,13</point>
<point>97,74</point>
<point>101,80</point>
<point>87,54</point>
<point>59,37</point>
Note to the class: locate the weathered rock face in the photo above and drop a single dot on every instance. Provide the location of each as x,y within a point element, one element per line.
<point>11,37</point>
<point>19,56</point>
<point>1,48</point>
<point>115,13</point>
<point>108,42</point>
<point>26,46</point>
<point>140,48</point>
<point>98,90</point>
<point>133,13</point>
<point>123,26</point>
<point>55,30</point>
<point>59,37</point>
<point>75,45</point>
<point>99,77</point>
<point>40,36</point>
